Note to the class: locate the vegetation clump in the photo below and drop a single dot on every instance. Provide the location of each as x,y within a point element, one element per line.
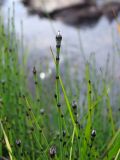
<point>42,127</point>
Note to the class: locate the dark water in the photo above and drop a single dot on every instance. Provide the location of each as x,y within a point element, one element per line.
<point>39,35</point>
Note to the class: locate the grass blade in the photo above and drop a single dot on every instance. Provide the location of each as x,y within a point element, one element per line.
<point>7,142</point>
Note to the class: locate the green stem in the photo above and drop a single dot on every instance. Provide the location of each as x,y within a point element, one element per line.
<point>58,95</point>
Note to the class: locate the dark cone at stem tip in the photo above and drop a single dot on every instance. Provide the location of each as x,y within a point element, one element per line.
<point>93,133</point>
<point>74,104</point>
<point>58,39</point>
<point>52,152</point>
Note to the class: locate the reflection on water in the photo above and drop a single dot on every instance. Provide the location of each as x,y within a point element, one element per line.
<point>44,75</point>
<point>39,36</point>
<point>50,5</point>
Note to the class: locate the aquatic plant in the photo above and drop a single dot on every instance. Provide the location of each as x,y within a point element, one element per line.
<point>53,123</point>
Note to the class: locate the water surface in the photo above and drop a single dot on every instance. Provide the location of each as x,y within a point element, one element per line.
<point>39,35</point>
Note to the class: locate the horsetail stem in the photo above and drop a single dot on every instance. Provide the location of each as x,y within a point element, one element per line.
<point>58,46</point>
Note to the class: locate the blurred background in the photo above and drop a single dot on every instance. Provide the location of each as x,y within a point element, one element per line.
<point>90,28</point>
